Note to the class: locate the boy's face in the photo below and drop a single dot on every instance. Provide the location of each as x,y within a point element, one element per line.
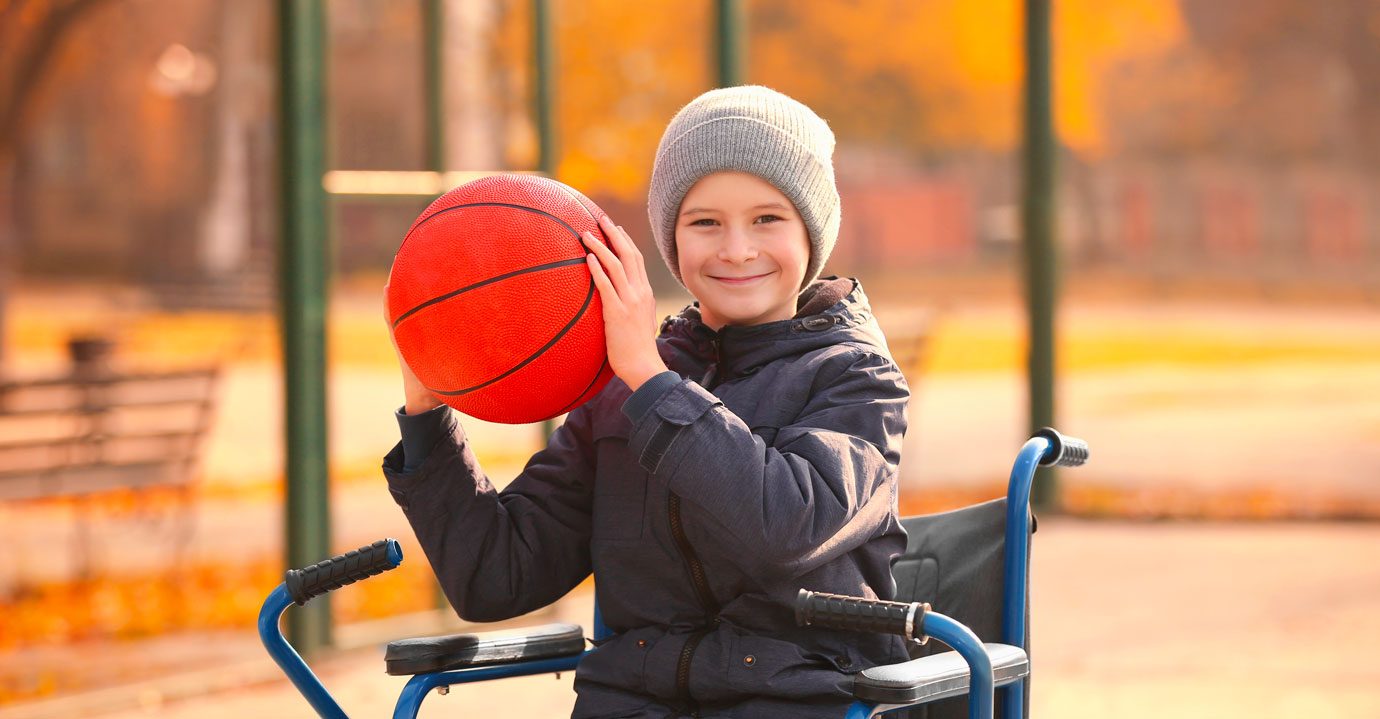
<point>742,250</point>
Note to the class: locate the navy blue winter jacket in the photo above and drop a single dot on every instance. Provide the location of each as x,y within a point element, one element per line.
<point>766,463</point>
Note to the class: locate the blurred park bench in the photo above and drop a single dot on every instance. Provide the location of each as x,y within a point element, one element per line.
<point>95,429</point>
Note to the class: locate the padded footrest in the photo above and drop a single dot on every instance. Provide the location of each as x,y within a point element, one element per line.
<point>936,676</point>
<point>458,651</point>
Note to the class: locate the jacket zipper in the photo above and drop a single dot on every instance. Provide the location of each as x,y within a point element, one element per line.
<point>701,585</point>
<point>712,372</point>
<point>687,653</point>
<point>697,577</point>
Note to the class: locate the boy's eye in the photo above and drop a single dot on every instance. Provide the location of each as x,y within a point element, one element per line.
<point>767,218</point>
<point>703,222</point>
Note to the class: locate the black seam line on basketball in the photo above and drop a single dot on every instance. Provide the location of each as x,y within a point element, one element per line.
<point>491,280</point>
<point>531,357</point>
<point>571,191</point>
<point>597,373</point>
<point>524,208</point>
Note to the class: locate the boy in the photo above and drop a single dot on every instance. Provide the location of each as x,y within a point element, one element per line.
<point>748,450</point>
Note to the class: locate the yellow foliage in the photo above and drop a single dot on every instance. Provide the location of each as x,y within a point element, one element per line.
<point>907,74</point>
<point>1089,38</point>
<point>963,345</point>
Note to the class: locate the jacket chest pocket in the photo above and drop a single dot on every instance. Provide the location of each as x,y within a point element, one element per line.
<point>620,484</point>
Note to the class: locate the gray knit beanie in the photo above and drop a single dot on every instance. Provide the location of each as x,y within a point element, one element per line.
<point>749,129</point>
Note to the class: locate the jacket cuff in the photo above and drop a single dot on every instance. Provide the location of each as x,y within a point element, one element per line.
<point>640,402</point>
<point>421,432</point>
<point>403,481</point>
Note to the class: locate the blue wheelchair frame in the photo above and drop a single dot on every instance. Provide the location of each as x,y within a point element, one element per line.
<point>1038,450</point>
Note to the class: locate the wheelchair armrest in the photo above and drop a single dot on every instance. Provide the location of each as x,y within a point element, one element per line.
<point>936,676</point>
<point>458,651</point>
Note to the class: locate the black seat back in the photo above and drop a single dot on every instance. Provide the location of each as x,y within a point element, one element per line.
<point>954,560</point>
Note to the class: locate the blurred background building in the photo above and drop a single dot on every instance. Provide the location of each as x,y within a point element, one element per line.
<point>1199,138</point>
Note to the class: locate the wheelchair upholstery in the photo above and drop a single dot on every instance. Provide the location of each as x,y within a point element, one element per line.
<point>953,561</point>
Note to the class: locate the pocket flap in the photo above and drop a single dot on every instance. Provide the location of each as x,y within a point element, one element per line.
<point>685,404</point>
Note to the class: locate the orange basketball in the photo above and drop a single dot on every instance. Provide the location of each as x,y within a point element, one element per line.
<point>492,304</point>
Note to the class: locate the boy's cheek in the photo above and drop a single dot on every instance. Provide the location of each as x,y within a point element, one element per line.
<point>685,263</point>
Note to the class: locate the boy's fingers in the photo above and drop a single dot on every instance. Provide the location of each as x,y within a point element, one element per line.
<point>388,322</point>
<point>610,229</point>
<point>628,253</point>
<point>613,269</point>
<point>637,259</point>
<point>628,240</point>
<point>606,254</point>
<point>387,316</point>
<point>601,279</point>
<point>623,244</point>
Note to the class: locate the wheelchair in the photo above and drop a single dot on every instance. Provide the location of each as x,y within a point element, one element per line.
<point>963,580</point>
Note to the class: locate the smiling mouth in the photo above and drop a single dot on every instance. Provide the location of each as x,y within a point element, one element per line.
<point>740,280</point>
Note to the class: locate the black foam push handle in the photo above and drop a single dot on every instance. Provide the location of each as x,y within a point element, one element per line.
<point>1067,451</point>
<point>857,614</point>
<point>347,568</point>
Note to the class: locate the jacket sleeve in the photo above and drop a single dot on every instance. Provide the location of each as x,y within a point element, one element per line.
<point>824,486</point>
<point>501,554</point>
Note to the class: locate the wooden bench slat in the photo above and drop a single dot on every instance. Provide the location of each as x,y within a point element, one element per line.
<point>67,409</point>
<point>107,380</point>
<point>77,435</point>
<point>61,483</point>
<point>56,442</point>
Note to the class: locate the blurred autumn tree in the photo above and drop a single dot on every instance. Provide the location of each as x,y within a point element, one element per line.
<point>911,76</point>
<point>29,34</point>
<point>1266,81</point>
<point>114,146</point>
<point>623,70</point>
<point>30,31</point>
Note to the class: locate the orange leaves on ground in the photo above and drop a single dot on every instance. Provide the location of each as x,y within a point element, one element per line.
<point>196,597</point>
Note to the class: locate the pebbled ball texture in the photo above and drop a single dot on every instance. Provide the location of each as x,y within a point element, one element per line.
<point>492,304</point>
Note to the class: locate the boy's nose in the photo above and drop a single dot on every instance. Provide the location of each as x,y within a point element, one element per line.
<point>737,247</point>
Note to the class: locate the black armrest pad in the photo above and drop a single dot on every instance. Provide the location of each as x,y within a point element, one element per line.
<point>457,651</point>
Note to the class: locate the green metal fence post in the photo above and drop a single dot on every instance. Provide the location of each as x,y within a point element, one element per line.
<point>543,109</point>
<point>730,47</point>
<point>433,76</point>
<point>433,44</point>
<point>543,86</point>
<point>1037,220</point>
<point>304,267</point>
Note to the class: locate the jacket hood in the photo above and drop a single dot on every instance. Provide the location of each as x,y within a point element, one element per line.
<point>832,311</point>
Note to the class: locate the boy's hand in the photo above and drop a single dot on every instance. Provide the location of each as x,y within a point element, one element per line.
<point>418,398</point>
<point>629,307</point>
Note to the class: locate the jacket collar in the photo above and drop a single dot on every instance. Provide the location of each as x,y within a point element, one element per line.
<point>690,347</point>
